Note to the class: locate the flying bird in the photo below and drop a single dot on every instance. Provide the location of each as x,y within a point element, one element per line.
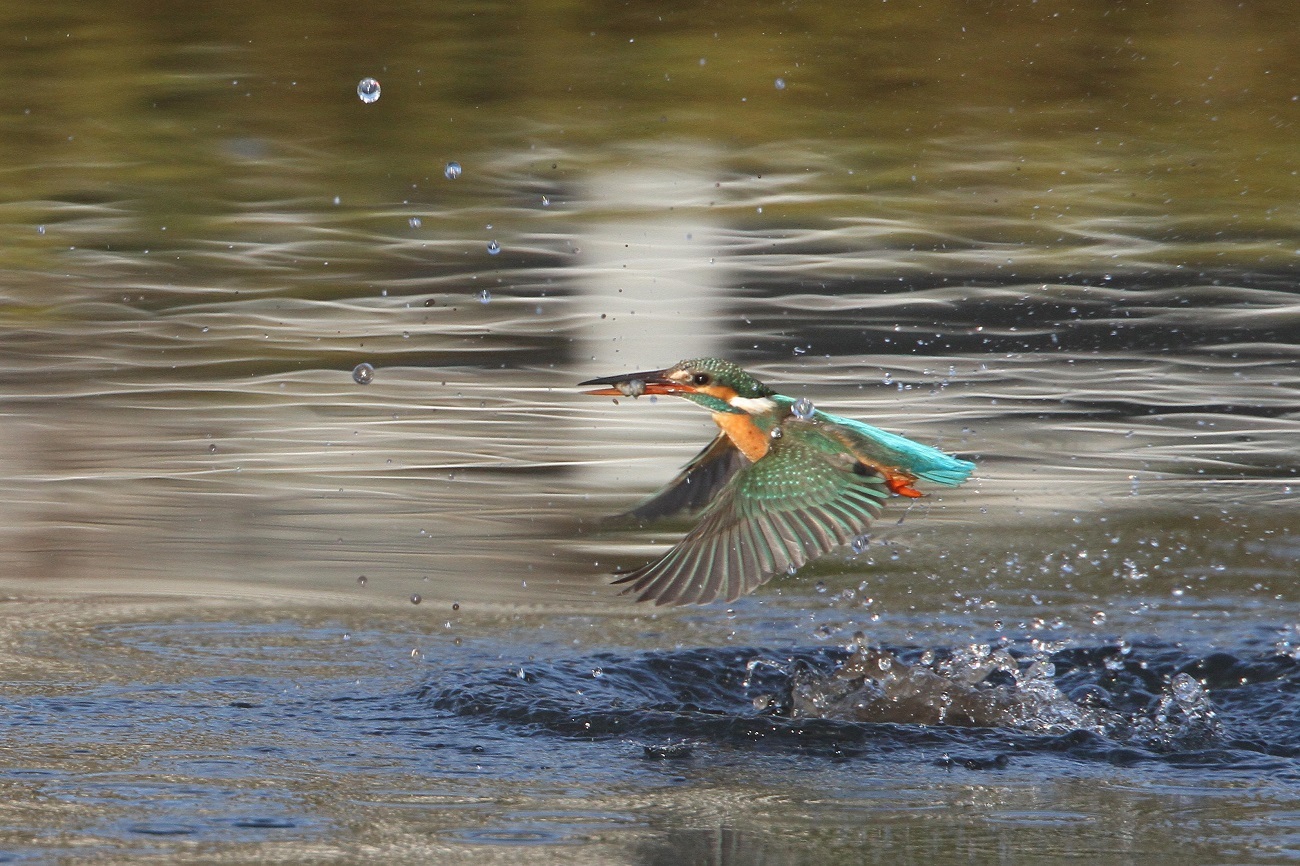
<point>781,484</point>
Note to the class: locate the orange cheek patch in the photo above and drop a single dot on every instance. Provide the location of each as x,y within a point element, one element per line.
<point>721,392</point>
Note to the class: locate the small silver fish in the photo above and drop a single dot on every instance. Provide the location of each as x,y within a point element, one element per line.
<point>632,388</point>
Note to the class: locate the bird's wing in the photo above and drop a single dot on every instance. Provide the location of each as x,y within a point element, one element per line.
<point>802,499</point>
<point>697,483</point>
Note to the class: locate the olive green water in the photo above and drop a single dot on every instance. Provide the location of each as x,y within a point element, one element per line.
<point>1060,238</point>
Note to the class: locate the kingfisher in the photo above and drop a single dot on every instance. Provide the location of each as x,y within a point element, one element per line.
<point>782,483</point>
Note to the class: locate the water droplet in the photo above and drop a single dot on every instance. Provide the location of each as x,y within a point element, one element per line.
<point>40,230</point>
<point>546,202</point>
<point>361,580</point>
<point>1185,688</point>
<point>415,222</point>
<point>485,297</point>
<point>803,409</point>
<point>415,598</point>
<point>1099,618</point>
<point>860,543</point>
<point>779,84</point>
<point>368,90</point>
<point>452,171</point>
<point>363,374</point>
<point>776,433</point>
<point>820,587</point>
<point>493,248</point>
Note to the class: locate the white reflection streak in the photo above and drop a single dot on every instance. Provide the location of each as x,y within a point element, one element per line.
<point>649,269</point>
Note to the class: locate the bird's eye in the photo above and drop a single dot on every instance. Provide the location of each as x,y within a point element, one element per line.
<point>701,378</point>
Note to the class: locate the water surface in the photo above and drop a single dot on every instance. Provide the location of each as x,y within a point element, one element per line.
<point>258,612</point>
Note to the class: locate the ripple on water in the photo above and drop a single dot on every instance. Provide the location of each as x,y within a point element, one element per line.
<point>1101,703</point>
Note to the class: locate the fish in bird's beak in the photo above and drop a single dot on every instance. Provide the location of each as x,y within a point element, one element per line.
<point>654,382</point>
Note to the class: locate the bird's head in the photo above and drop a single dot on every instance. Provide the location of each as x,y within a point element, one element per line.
<point>713,383</point>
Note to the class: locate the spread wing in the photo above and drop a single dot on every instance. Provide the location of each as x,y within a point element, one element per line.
<point>805,497</point>
<point>697,483</point>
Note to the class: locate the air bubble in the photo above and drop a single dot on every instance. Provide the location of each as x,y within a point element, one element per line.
<point>363,374</point>
<point>368,90</point>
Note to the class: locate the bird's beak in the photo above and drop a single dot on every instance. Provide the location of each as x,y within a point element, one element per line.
<point>653,383</point>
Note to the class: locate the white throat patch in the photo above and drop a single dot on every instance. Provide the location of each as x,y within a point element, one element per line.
<point>752,405</point>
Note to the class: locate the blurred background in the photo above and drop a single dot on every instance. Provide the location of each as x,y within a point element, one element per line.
<point>1059,238</point>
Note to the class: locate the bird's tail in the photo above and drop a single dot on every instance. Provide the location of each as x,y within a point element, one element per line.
<point>924,462</point>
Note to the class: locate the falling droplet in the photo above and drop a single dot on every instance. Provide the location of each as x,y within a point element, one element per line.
<point>415,598</point>
<point>779,84</point>
<point>415,222</point>
<point>860,543</point>
<point>368,90</point>
<point>363,374</point>
<point>361,579</point>
<point>776,433</point>
<point>493,248</point>
<point>546,202</point>
<point>803,409</point>
<point>485,297</point>
<point>452,171</point>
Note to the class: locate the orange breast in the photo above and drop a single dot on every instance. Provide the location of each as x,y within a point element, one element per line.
<point>743,433</point>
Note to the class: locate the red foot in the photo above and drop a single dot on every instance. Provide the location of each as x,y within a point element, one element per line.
<point>902,485</point>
